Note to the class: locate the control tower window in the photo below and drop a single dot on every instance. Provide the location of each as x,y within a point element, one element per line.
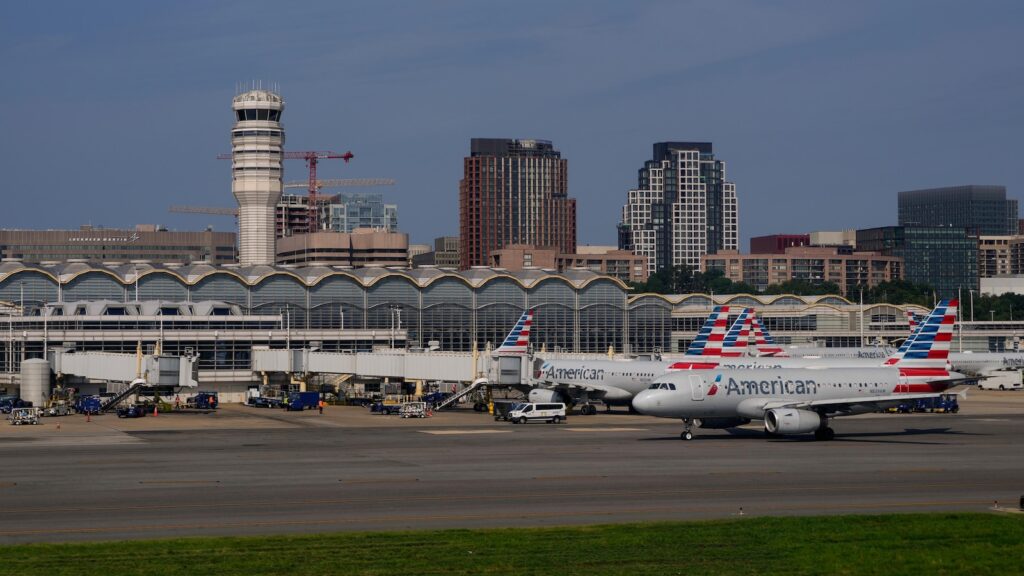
<point>262,114</point>
<point>275,115</point>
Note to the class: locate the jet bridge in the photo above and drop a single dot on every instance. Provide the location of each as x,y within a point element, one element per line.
<point>395,364</point>
<point>155,369</point>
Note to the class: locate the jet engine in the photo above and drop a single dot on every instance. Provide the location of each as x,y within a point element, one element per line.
<point>718,423</point>
<point>545,395</point>
<point>791,421</point>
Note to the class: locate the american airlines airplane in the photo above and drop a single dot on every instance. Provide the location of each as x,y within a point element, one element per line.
<point>1001,366</point>
<point>802,400</point>
<point>616,382</point>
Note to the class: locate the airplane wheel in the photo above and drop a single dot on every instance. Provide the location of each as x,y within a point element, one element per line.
<point>824,434</point>
<point>686,436</point>
<point>1001,387</point>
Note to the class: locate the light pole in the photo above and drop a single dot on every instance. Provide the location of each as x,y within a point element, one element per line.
<point>993,314</point>
<point>971,293</point>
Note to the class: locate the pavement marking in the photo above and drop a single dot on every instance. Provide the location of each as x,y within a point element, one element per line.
<point>466,431</point>
<point>179,481</point>
<point>599,429</point>
<point>378,480</point>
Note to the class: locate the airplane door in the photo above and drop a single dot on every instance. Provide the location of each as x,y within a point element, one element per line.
<point>696,387</point>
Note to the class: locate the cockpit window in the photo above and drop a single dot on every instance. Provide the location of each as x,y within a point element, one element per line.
<point>654,386</point>
<point>671,386</point>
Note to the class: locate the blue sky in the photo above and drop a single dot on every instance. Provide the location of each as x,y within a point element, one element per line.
<point>112,111</point>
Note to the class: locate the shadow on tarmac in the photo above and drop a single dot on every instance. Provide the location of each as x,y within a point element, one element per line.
<point>865,437</point>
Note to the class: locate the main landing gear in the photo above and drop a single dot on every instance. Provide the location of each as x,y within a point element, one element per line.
<point>824,432</point>
<point>687,433</point>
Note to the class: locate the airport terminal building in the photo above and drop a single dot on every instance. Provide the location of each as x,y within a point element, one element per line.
<point>221,313</point>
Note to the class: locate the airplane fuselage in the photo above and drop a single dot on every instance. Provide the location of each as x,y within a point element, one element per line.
<point>748,393</point>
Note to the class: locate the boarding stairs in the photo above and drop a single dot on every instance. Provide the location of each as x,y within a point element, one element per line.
<point>451,400</point>
<point>135,387</point>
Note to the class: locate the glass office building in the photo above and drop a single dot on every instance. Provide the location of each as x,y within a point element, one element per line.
<point>980,210</point>
<point>942,257</point>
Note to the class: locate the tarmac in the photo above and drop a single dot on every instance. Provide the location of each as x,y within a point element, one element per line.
<point>245,471</point>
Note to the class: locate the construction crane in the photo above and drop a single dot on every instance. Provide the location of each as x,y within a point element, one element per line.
<point>311,157</point>
<point>343,182</point>
<point>216,211</point>
<point>320,184</point>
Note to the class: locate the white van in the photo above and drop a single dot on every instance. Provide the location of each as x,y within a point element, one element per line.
<point>523,413</point>
<point>1002,380</point>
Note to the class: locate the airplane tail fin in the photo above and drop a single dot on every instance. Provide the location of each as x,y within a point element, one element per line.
<point>735,342</point>
<point>913,319</point>
<point>711,335</point>
<point>928,347</point>
<point>763,341</point>
<point>518,340</point>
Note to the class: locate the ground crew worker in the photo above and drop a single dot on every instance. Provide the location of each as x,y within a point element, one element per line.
<point>320,405</point>
<point>177,402</point>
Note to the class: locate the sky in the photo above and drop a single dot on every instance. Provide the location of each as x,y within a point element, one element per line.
<point>110,112</point>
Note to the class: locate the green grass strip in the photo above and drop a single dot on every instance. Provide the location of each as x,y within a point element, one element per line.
<point>889,544</point>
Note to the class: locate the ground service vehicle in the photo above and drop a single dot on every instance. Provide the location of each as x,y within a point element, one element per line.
<point>386,409</point>
<point>413,410</point>
<point>551,413</point>
<point>21,416</point>
<point>88,405</point>
<point>1002,380</point>
<point>302,401</point>
<point>203,401</point>
<point>133,411</point>
<point>265,402</point>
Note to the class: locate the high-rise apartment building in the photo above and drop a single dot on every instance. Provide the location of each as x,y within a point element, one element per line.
<point>980,210</point>
<point>514,192</point>
<point>682,207</point>
<point>257,143</point>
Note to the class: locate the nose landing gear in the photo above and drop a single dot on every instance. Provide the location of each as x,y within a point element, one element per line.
<point>687,433</point>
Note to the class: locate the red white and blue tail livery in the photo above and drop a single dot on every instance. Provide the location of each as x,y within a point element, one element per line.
<point>735,343</point>
<point>711,335</point>
<point>518,340</point>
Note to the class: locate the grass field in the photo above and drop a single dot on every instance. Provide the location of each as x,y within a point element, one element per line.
<point>894,544</point>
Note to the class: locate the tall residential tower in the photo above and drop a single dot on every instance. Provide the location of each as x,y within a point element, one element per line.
<point>514,192</point>
<point>257,143</point>
<point>681,209</point>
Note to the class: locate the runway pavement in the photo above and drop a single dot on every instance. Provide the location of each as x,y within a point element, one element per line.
<point>250,471</point>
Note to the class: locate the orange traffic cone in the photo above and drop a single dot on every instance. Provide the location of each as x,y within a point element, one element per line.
<point>154,411</point>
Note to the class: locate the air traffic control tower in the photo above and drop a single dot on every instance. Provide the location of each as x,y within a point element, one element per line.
<point>257,143</point>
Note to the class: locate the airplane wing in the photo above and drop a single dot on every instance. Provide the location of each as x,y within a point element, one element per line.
<point>601,389</point>
<point>852,405</point>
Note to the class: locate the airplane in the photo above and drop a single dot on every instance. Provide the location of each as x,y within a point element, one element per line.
<point>765,345</point>
<point>981,364</point>
<point>802,400</point>
<point>615,382</point>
